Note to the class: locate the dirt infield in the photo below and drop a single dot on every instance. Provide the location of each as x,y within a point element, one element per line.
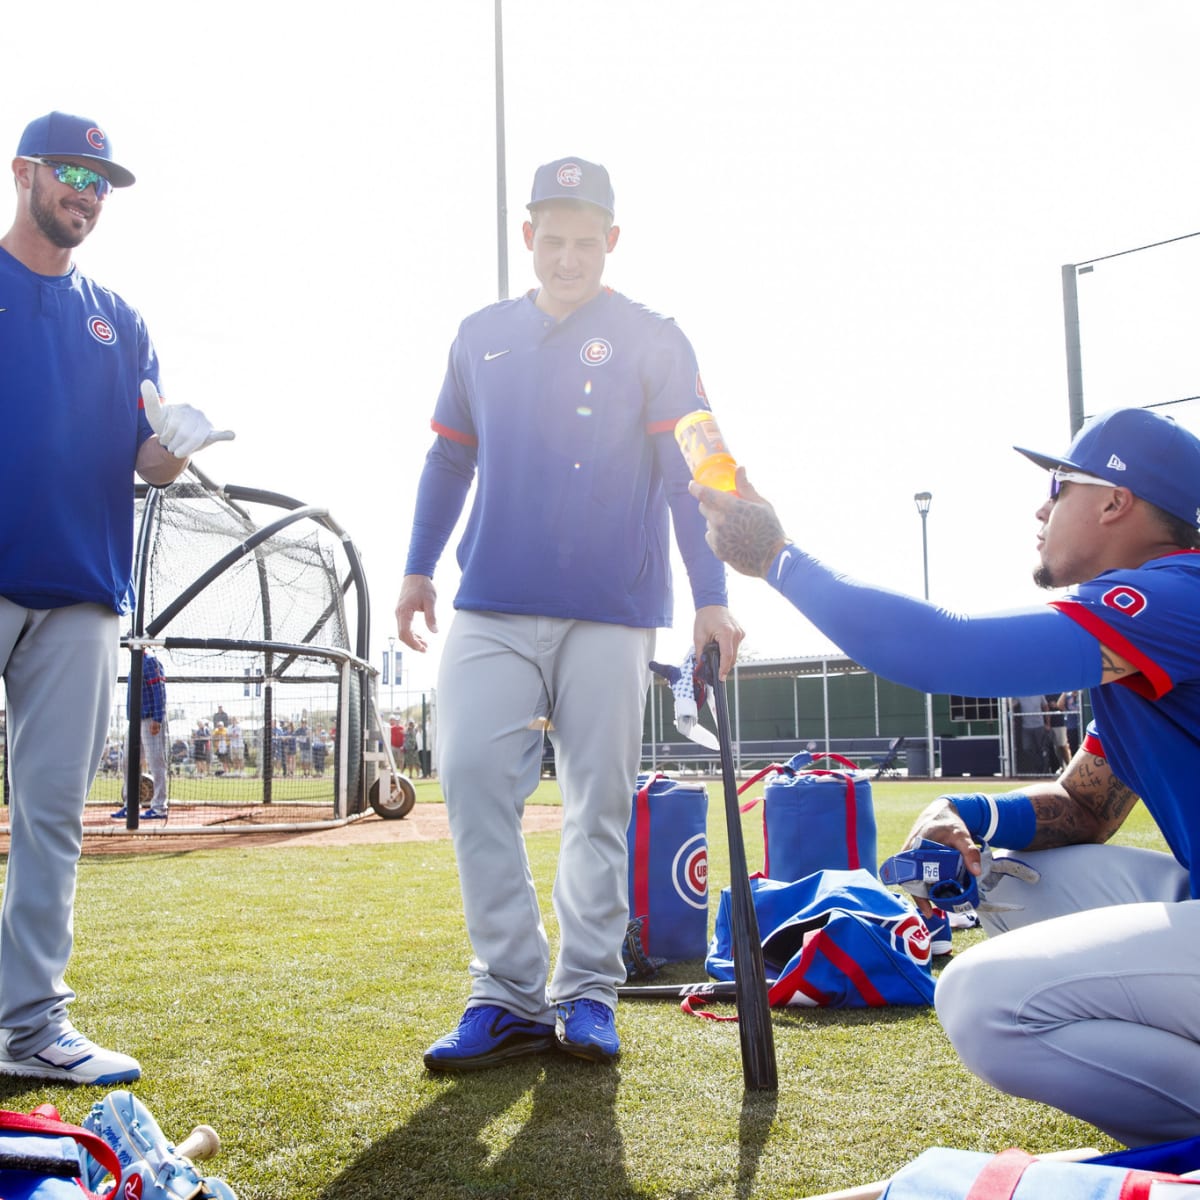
<point>426,823</point>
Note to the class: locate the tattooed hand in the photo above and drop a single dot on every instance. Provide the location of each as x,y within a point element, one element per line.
<point>742,528</point>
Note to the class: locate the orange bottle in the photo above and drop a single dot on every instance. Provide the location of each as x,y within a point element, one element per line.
<point>704,448</point>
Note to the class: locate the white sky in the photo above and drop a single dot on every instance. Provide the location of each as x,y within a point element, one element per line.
<point>856,211</point>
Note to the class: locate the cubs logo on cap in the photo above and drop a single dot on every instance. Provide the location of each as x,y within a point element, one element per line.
<point>573,179</point>
<point>64,135</point>
<point>569,175</point>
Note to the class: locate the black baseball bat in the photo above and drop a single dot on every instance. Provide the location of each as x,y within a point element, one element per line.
<point>709,989</point>
<point>759,1069</point>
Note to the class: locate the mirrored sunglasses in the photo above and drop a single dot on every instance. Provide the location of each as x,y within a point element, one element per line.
<point>77,177</point>
<point>1058,478</point>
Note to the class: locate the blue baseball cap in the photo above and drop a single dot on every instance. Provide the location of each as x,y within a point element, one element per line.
<point>572,179</point>
<point>1144,451</point>
<point>62,135</point>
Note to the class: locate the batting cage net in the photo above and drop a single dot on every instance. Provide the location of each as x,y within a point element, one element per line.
<point>251,615</point>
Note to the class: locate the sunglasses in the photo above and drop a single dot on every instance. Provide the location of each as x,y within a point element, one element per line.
<point>77,177</point>
<point>1058,478</point>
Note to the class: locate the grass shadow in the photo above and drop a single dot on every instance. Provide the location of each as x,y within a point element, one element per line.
<point>538,1128</point>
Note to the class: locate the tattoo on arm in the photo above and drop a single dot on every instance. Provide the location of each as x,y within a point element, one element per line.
<point>1090,806</point>
<point>748,537</point>
<point>1114,666</point>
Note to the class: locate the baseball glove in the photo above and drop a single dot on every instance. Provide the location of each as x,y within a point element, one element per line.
<point>638,964</point>
<point>150,1166</point>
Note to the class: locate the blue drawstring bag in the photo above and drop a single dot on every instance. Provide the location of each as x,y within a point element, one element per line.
<point>816,819</point>
<point>668,867</point>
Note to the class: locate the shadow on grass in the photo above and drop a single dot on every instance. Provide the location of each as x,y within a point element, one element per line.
<point>543,1127</point>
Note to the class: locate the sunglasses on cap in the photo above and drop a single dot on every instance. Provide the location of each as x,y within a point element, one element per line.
<point>75,176</point>
<point>1058,478</point>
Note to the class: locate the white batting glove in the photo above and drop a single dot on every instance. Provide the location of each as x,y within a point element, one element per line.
<point>995,869</point>
<point>181,429</point>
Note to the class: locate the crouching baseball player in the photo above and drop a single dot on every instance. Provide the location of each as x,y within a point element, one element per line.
<point>1087,996</point>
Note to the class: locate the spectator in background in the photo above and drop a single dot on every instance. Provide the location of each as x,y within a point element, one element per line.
<point>1032,727</point>
<point>220,717</point>
<point>1057,720</point>
<point>237,748</point>
<point>304,748</point>
<point>1069,703</point>
<point>220,739</point>
<point>288,741</point>
<point>412,763</point>
<point>200,747</point>
<point>319,749</point>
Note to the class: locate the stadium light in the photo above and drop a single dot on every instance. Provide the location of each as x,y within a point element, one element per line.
<point>923,500</point>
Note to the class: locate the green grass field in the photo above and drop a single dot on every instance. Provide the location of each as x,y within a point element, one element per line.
<point>285,996</point>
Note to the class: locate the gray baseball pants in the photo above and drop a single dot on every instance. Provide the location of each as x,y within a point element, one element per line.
<point>59,667</point>
<point>501,678</point>
<point>1088,997</point>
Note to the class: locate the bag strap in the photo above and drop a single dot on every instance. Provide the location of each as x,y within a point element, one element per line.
<point>641,860</point>
<point>999,1176</point>
<point>45,1120</point>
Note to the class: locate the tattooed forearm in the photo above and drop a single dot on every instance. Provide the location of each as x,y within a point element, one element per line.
<point>747,536</point>
<point>1090,805</point>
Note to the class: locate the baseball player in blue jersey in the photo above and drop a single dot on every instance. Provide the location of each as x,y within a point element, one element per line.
<point>561,406</point>
<point>154,736</point>
<point>82,414</point>
<point>1090,998</point>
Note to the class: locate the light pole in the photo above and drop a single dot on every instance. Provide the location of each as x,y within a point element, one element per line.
<point>923,500</point>
<point>392,668</point>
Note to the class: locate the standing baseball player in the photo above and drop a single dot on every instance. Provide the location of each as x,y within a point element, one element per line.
<point>153,737</point>
<point>75,357</point>
<point>561,405</point>
<point>1090,999</point>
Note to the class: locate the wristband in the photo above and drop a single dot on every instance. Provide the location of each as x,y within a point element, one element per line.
<point>1008,822</point>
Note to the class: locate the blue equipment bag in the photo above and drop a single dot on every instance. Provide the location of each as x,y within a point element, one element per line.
<point>668,867</point>
<point>941,1174</point>
<point>44,1158</point>
<point>836,939</point>
<point>817,820</point>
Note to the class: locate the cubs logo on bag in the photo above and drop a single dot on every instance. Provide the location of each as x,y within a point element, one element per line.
<point>668,867</point>
<point>833,939</point>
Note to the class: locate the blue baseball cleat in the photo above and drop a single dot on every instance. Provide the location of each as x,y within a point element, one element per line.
<point>486,1036</point>
<point>588,1029</point>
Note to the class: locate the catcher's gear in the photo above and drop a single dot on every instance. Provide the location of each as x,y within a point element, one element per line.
<point>638,964</point>
<point>150,1167</point>
<point>937,873</point>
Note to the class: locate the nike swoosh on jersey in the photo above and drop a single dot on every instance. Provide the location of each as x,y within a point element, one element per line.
<point>494,354</point>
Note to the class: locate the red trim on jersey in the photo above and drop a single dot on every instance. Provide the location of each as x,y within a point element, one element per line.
<point>660,427</point>
<point>453,434</point>
<point>1152,682</point>
<point>1093,745</point>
